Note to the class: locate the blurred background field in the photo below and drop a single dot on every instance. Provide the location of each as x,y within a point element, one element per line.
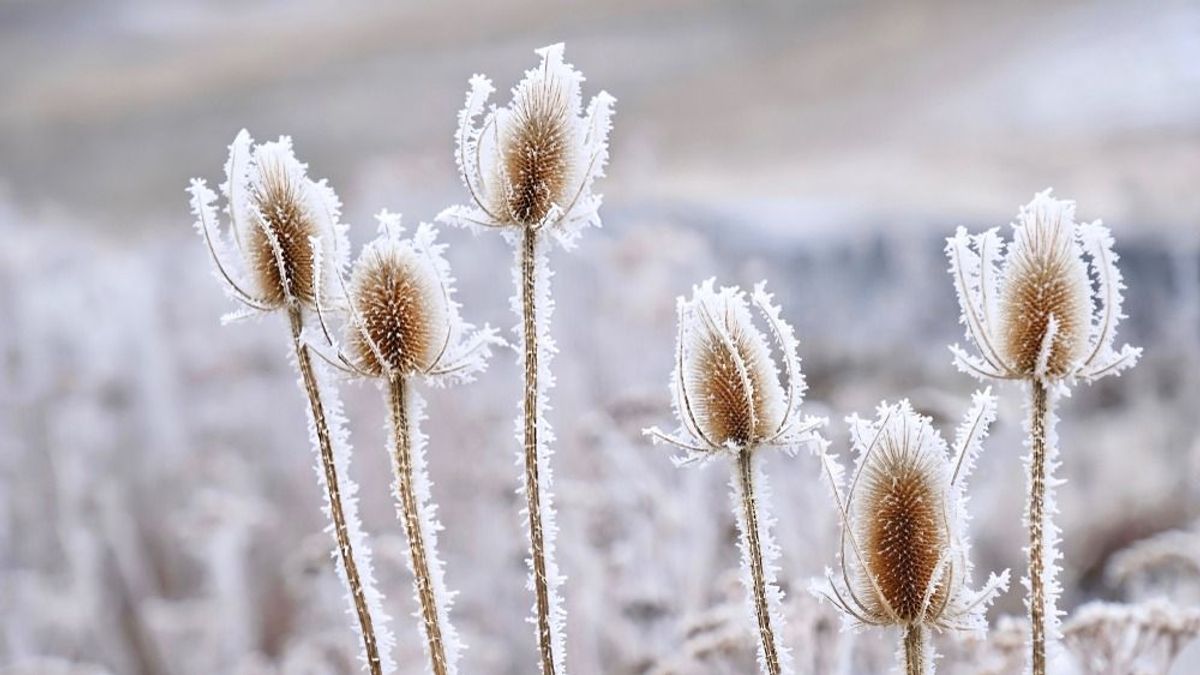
<point>158,510</point>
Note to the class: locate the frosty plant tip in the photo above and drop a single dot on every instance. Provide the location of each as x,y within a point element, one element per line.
<point>284,229</point>
<point>530,165</point>
<point>528,168</point>
<point>730,402</point>
<point>401,321</point>
<point>904,558</point>
<point>1044,312</point>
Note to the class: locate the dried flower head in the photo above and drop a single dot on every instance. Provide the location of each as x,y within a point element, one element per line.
<point>531,164</point>
<point>281,223</point>
<point>726,387</point>
<point>1049,308</point>
<point>908,561</point>
<point>402,318</point>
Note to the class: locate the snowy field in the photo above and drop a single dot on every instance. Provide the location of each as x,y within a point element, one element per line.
<point>158,510</point>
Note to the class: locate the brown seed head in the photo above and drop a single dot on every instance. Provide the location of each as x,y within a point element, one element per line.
<point>903,527</point>
<point>403,309</point>
<point>278,251</point>
<point>537,152</point>
<point>731,382</point>
<point>1045,276</point>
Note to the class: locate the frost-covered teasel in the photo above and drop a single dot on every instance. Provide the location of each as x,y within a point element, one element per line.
<point>1048,307</point>
<point>285,229</point>
<point>904,558</point>
<point>529,168</point>
<point>730,402</point>
<point>531,164</point>
<point>1042,310</point>
<point>402,321</point>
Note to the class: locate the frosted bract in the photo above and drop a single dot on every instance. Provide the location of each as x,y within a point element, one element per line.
<point>905,553</point>
<point>726,388</point>
<point>1047,308</point>
<point>281,223</point>
<point>531,164</point>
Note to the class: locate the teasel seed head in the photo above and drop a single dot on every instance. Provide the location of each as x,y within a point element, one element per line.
<point>1046,309</point>
<point>281,223</point>
<point>531,164</point>
<point>402,308</point>
<point>1046,301</point>
<point>402,319</point>
<point>727,390</point>
<point>905,553</point>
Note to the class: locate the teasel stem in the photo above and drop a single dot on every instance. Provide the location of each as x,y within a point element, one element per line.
<point>914,650</point>
<point>1039,409</point>
<point>406,489</point>
<point>762,610</point>
<point>532,484</point>
<point>324,440</point>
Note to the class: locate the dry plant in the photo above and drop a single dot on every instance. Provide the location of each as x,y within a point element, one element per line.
<point>529,169</point>
<point>1118,639</point>
<point>1044,313</point>
<point>284,226</point>
<point>730,402</point>
<point>402,322</point>
<point>903,515</point>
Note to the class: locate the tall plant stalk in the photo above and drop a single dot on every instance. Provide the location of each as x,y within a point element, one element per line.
<point>753,545</point>
<point>914,650</point>
<point>333,491</point>
<point>1038,411</point>
<point>403,466</point>
<point>533,493</point>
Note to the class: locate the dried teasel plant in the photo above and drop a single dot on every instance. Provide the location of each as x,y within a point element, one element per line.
<point>529,169</point>
<point>1044,312</point>
<point>904,558</point>
<point>402,322</point>
<point>730,402</point>
<point>284,227</point>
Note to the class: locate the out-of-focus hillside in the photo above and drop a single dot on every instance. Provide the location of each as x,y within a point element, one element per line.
<point>158,513</point>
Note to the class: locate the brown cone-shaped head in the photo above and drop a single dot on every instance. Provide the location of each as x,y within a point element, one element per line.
<point>402,307</point>
<point>902,528</point>
<point>281,211</point>
<point>1045,276</point>
<point>536,152</point>
<point>731,382</point>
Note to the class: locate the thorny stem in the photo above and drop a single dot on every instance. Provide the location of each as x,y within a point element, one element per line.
<point>762,610</point>
<point>532,489</point>
<point>914,650</point>
<point>345,549</point>
<point>1037,499</point>
<point>403,466</point>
